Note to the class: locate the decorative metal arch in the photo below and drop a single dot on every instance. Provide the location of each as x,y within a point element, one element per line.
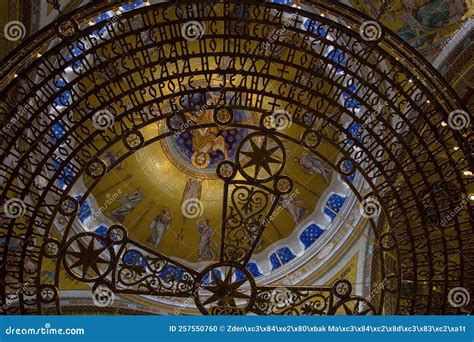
<point>403,152</point>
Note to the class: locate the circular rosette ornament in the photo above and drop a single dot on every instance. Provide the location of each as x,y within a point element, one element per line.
<point>176,123</point>
<point>223,116</point>
<point>133,140</point>
<point>47,293</point>
<point>226,170</point>
<point>69,206</point>
<point>279,120</point>
<point>51,248</point>
<point>117,234</point>
<point>346,167</point>
<point>342,288</point>
<point>67,28</point>
<point>388,241</point>
<point>96,168</point>
<point>311,139</point>
<point>283,185</point>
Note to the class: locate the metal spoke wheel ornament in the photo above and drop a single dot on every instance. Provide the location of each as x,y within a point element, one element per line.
<point>88,257</point>
<point>261,157</point>
<point>225,288</point>
<point>353,306</point>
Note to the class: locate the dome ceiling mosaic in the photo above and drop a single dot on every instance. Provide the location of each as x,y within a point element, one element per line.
<point>232,157</point>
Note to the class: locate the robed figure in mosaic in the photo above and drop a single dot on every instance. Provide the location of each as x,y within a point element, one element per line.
<point>161,223</point>
<point>206,240</point>
<point>129,202</point>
